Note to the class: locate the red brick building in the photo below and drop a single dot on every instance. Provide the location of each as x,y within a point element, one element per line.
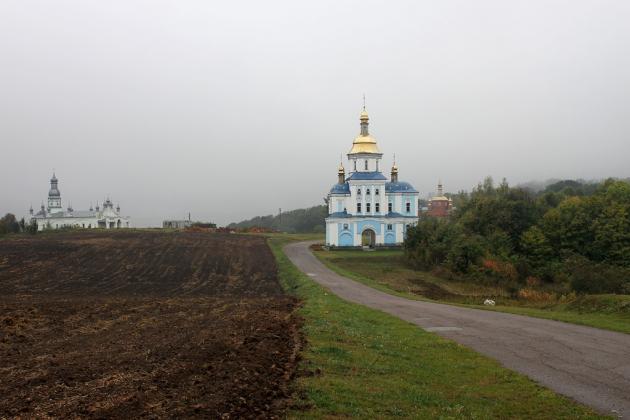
<point>439,205</point>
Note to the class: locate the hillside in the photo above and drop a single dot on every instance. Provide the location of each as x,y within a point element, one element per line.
<point>573,237</point>
<point>310,220</point>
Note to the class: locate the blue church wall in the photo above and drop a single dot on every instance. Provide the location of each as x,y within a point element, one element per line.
<point>391,201</point>
<point>376,225</point>
<point>412,201</point>
<point>399,204</point>
<point>390,238</point>
<point>346,237</point>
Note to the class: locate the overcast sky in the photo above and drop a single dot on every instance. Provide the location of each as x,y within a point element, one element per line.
<point>234,109</point>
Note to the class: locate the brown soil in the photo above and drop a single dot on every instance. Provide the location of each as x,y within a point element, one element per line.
<point>144,325</point>
<point>432,290</point>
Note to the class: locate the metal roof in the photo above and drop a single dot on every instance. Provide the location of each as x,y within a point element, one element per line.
<point>399,187</point>
<point>366,176</point>
<point>340,188</point>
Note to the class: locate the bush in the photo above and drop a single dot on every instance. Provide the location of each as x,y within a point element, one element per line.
<point>538,296</point>
<point>427,243</point>
<point>31,227</point>
<point>607,304</point>
<point>9,224</point>
<point>464,253</point>
<point>501,270</point>
<point>597,278</point>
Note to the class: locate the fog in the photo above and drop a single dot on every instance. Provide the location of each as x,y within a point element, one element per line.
<point>229,110</point>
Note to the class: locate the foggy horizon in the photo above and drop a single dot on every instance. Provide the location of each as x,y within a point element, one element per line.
<point>236,110</point>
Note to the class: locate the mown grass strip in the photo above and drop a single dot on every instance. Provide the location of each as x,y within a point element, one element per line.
<point>368,364</point>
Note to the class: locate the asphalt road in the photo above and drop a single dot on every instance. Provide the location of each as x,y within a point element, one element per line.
<point>587,364</point>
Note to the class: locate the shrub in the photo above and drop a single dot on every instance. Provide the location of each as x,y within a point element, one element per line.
<point>500,269</point>
<point>537,296</point>
<point>31,227</point>
<point>8,224</point>
<point>601,304</point>
<point>532,281</point>
<point>597,278</point>
<point>464,253</point>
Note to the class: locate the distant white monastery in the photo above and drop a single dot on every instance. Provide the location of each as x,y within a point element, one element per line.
<point>365,209</point>
<point>54,217</point>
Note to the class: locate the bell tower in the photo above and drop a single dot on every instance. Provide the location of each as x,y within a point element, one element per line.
<point>364,155</point>
<point>54,196</point>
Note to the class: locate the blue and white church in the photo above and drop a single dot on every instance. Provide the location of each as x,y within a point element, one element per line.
<point>365,209</point>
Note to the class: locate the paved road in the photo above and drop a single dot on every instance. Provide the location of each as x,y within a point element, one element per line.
<point>587,364</point>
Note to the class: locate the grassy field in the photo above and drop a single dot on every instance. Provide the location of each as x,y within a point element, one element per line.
<point>364,363</point>
<point>386,270</point>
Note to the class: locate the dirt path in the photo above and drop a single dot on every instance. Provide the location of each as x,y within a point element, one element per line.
<point>587,364</point>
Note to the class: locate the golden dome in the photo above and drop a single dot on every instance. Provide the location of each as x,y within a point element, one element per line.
<point>440,198</point>
<point>364,143</point>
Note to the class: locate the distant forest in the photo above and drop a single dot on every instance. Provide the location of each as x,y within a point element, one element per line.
<point>309,220</point>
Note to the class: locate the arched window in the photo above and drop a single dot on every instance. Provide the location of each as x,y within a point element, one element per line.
<point>367,191</point>
<point>408,206</point>
<point>366,164</point>
<point>358,191</point>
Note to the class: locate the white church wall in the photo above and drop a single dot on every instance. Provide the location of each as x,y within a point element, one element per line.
<point>399,232</point>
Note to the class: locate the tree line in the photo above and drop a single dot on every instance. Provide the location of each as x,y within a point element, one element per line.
<point>9,224</point>
<point>310,220</point>
<point>571,235</point>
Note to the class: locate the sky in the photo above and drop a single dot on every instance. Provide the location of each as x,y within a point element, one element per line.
<point>229,110</point>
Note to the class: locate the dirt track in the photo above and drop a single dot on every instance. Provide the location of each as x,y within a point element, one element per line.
<point>587,364</point>
<point>144,324</point>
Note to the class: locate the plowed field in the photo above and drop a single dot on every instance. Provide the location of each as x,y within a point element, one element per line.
<point>143,324</point>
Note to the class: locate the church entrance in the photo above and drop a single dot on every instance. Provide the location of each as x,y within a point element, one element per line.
<point>368,238</point>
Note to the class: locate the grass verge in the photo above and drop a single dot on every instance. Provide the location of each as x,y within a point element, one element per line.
<point>367,364</point>
<point>385,270</point>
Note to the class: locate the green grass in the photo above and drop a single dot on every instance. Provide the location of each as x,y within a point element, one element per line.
<point>367,364</point>
<point>386,271</point>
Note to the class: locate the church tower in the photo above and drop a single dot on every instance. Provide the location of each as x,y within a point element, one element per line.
<point>364,155</point>
<point>54,196</point>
